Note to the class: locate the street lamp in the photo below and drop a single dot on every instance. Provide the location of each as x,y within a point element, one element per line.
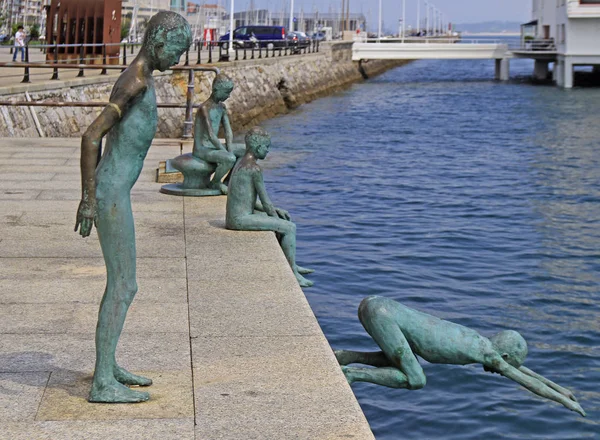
<point>292,18</point>
<point>427,8</point>
<point>231,27</point>
<point>380,18</point>
<point>418,17</point>
<point>403,19</point>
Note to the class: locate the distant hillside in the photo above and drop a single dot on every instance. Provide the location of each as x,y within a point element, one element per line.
<point>488,27</point>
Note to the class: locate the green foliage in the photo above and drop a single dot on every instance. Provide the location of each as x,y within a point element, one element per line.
<point>125,25</point>
<point>34,32</point>
<point>15,27</point>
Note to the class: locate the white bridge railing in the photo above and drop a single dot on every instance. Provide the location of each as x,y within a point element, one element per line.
<point>513,43</point>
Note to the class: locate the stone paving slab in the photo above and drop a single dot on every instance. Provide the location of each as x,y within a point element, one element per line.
<point>219,322</point>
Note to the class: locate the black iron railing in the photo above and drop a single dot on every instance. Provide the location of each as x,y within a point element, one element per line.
<point>115,56</point>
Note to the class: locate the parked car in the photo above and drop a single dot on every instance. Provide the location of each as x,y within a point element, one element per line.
<point>319,36</point>
<point>255,36</point>
<point>298,40</point>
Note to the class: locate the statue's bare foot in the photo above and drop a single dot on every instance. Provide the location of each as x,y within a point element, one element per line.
<point>304,270</point>
<point>116,393</point>
<point>127,378</point>
<point>348,373</point>
<point>303,281</point>
<point>344,357</point>
<point>220,186</point>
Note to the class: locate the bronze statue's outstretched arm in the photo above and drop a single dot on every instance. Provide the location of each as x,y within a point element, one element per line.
<point>565,392</point>
<point>534,385</point>
<point>90,144</point>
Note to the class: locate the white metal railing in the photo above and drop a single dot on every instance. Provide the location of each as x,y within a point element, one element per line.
<point>534,45</point>
<point>435,40</point>
<point>513,43</point>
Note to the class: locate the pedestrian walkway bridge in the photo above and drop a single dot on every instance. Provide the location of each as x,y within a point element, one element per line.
<point>429,48</point>
<point>452,48</point>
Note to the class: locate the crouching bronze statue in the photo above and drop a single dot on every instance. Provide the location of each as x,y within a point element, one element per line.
<point>403,334</point>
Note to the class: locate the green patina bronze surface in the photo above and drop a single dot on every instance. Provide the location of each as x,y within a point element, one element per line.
<point>247,195</point>
<point>130,123</point>
<point>209,154</point>
<point>403,333</point>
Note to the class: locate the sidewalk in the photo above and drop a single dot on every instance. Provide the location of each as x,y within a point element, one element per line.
<point>219,322</point>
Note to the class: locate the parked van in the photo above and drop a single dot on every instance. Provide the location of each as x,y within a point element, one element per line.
<point>256,36</point>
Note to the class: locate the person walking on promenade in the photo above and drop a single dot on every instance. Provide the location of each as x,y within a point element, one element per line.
<point>19,44</point>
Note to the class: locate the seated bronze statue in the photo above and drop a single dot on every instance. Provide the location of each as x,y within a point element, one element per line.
<point>209,156</point>
<point>403,334</point>
<point>248,201</point>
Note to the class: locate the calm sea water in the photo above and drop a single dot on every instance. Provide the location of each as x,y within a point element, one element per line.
<point>473,200</point>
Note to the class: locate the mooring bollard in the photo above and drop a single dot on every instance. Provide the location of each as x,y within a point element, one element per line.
<point>26,74</point>
<point>103,72</point>
<point>80,74</point>
<point>55,72</point>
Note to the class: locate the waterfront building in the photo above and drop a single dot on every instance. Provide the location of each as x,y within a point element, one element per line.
<point>565,32</point>
<point>25,12</point>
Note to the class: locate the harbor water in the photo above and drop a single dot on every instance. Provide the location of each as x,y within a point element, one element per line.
<point>473,200</point>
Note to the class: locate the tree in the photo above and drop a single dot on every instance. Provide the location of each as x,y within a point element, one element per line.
<point>125,25</point>
<point>15,28</point>
<point>34,32</point>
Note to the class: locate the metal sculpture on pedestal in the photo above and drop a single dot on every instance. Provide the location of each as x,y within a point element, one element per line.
<point>130,122</point>
<point>209,156</point>
<point>403,333</point>
<point>247,195</point>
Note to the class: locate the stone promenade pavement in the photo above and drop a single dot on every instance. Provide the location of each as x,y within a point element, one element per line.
<point>219,322</point>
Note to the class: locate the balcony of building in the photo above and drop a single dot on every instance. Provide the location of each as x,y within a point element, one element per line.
<point>583,8</point>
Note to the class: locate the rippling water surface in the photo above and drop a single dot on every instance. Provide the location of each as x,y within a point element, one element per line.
<point>473,200</point>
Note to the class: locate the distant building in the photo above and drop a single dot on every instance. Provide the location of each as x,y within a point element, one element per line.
<point>25,12</point>
<point>569,31</point>
<point>146,8</point>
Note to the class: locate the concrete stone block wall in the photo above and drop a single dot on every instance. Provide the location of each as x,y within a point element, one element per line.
<point>265,88</point>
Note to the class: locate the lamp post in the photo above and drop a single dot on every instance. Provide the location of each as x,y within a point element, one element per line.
<point>292,18</point>
<point>418,17</point>
<point>427,8</point>
<point>231,27</point>
<point>403,19</point>
<point>380,18</point>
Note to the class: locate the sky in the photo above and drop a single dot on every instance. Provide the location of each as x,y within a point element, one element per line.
<point>458,11</point>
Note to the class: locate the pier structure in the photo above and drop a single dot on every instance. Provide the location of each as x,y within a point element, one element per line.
<point>220,323</point>
<point>562,34</point>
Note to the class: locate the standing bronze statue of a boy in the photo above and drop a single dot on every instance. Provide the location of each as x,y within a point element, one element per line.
<point>130,120</point>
